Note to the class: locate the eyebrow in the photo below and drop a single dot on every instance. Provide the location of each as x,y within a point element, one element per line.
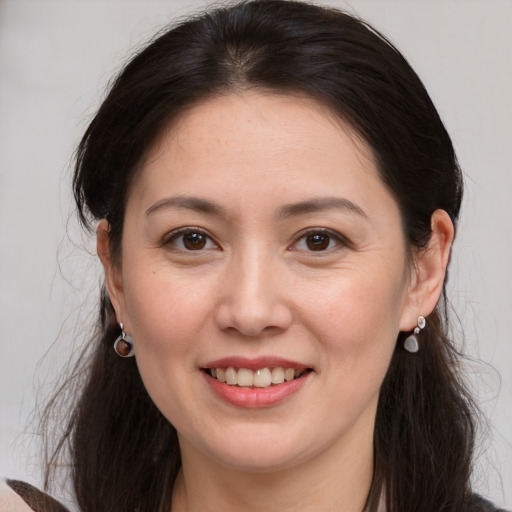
<point>188,203</point>
<point>318,205</point>
<point>289,210</point>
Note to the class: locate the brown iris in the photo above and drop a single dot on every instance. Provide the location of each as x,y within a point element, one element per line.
<point>194,241</point>
<point>318,241</point>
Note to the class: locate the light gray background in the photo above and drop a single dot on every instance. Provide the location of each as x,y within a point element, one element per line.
<point>55,60</point>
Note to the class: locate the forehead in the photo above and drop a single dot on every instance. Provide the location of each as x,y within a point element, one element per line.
<point>271,145</point>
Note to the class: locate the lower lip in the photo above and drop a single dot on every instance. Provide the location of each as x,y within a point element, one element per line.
<point>256,397</point>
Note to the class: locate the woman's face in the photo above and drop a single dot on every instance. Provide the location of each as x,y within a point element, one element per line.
<point>259,239</point>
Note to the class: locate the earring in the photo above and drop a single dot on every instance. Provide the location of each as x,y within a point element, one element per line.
<point>411,342</point>
<point>124,344</point>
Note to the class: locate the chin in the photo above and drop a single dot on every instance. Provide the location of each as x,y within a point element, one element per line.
<point>258,450</point>
<point>258,461</point>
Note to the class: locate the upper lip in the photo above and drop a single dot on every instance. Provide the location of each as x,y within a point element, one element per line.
<point>255,363</point>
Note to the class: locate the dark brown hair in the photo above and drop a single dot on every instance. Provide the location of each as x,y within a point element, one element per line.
<point>124,453</point>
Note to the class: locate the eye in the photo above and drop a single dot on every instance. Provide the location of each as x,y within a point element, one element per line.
<point>318,241</point>
<point>190,239</point>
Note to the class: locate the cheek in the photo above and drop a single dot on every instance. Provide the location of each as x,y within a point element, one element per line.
<point>165,313</point>
<point>357,316</point>
<point>167,316</point>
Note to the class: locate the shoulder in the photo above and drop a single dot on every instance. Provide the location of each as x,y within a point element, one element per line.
<point>479,504</point>
<point>17,496</point>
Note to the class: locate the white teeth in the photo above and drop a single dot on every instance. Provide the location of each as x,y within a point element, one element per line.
<point>231,376</point>
<point>289,374</point>
<point>262,378</point>
<point>277,375</point>
<point>245,377</point>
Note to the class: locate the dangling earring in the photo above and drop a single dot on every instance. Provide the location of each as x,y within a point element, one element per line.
<point>124,344</point>
<point>411,342</point>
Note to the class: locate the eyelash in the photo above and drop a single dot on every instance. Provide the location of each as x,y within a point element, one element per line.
<point>174,236</point>
<point>339,240</point>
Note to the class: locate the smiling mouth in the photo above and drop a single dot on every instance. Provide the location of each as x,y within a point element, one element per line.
<point>262,378</point>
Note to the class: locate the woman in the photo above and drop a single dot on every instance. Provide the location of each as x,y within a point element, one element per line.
<point>275,199</point>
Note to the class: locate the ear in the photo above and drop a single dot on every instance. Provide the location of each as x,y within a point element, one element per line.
<point>113,277</point>
<point>429,271</point>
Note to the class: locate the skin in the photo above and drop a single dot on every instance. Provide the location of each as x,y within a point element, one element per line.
<point>257,289</point>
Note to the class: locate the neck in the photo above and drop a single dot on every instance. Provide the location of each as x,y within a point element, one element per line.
<point>339,478</point>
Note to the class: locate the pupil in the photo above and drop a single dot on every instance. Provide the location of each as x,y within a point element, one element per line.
<point>318,242</point>
<point>194,241</point>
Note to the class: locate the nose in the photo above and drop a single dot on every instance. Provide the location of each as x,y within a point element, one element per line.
<point>252,297</point>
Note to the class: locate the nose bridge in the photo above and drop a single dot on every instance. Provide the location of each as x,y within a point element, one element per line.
<point>253,300</point>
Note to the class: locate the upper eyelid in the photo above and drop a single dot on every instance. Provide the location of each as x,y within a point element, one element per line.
<point>341,239</point>
<point>327,231</point>
<point>298,236</point>
<point>175,233</point>
<point>187,229</point>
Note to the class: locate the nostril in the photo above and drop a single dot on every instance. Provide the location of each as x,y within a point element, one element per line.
<point>251,316</point>
<point>255,332</point>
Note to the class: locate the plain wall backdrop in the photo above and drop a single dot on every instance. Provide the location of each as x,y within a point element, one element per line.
<point>56,58</point>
